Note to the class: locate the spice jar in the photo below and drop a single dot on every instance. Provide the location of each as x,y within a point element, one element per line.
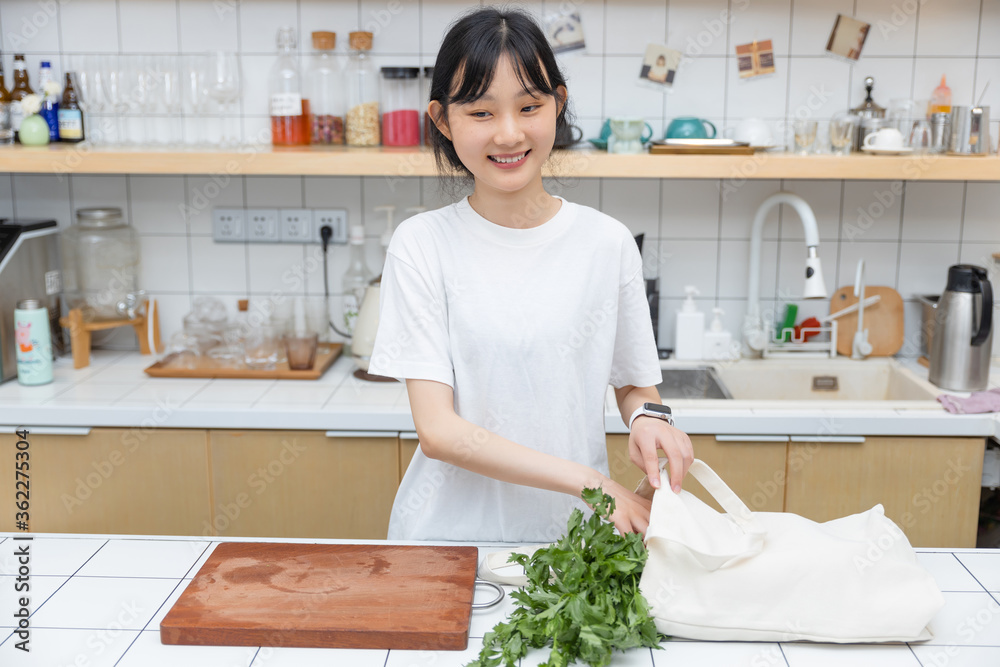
<point>428,80</point>
<point>361,93</point>
<point>101,264</point>
<point>400,106</point>
<point>324,83</point>
<point>289,109</point>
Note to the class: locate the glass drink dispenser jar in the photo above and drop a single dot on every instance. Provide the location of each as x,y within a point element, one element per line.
<point>101,264</point>
<point>401,106</point>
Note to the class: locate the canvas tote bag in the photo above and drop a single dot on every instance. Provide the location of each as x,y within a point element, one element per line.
<point>774,576</point>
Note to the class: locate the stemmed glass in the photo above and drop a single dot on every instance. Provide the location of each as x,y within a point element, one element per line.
<point>222,77</point>
<point>143,78</point>
<point>116,94</point>
<point>90,89</point>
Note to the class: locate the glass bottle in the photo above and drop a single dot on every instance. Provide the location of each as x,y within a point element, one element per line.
<point>50,103</point>
<point>940,98</point>
<point>289,111</point>
<point>356,278</point>
<point>400,106</point>
<point>6,131</point>
<point>20,90</point>
<point>361,92</point>
<point>70,113</point>
<point>324,85</point>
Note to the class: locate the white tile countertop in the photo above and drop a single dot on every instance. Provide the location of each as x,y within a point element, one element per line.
<point>98,601</point>
<point>115,392</point>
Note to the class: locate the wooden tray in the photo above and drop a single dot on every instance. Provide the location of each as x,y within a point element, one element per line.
<point>327,596</point>
<point>884,320</point>
<point>664,149</point>
<point>207,367</point>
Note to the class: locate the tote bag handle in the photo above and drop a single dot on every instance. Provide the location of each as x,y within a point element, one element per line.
<point>726,497</point>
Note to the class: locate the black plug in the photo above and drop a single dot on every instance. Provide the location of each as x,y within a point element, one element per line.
<point>326,233</point>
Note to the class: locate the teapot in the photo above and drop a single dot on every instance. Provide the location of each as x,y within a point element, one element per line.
<point>689,127</point>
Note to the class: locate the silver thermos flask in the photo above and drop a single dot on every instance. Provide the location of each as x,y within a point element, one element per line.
<point>963,331</point>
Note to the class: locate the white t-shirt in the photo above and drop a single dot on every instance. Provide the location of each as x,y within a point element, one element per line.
<point>528,327</point>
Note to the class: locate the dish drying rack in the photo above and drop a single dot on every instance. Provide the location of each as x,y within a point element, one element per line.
<point>799,347</point>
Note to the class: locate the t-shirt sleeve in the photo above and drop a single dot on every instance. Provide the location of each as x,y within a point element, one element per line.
<point>412,340</point>
<point>635,361</point>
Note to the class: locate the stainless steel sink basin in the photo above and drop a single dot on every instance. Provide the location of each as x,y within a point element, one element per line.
<point>692,383</point>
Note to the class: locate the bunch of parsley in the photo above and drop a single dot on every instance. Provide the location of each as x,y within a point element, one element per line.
<point>582,596</point>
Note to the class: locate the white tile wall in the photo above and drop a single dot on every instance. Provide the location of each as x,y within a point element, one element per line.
<point>696,231</point>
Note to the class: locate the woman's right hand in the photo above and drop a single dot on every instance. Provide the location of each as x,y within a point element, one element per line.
<point>631,513</point>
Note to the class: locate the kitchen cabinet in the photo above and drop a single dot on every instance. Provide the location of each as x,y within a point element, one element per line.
<point>419,161</point>
<point>929,486</point>
<point>407,448</point>
<point>755,470</point>
<point>114,480</point>
<point>302,483</point>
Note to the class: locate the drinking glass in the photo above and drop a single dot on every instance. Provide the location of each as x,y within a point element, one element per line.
<point>920,137</point>
<point>116,94</point>
<point>171,85</point>
<point>144,80</point>
<point>196,94</point>
<point>842,129</point>
<point>261,345</point>
<point>805,136</point>
<point>223,84</point>
<point>89,94</point>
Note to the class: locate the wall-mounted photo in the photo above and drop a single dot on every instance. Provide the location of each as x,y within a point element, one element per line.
<point>848,37</point>
<point>659,65</point>
<point>755,58</point>
<point>565,32</point>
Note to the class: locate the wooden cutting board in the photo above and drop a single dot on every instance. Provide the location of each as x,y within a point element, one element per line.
<point>884,320</point>
<point>327,596</point>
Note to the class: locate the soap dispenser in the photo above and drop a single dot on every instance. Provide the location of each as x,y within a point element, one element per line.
<point>718,341</point>
<point>690,328</point>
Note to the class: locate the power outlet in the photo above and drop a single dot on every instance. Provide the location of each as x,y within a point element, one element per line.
<point>296,225</point>
<point>228,225</point>
<point>262,225</point>
<point>335,218</point>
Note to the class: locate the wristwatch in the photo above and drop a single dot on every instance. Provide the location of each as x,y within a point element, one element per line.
<point>652,410</point>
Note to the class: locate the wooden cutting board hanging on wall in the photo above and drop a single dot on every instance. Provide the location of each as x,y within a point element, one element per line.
<point>327,596</point>
<point>884,320</point>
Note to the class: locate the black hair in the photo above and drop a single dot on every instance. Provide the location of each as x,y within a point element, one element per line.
<point>473,46</point>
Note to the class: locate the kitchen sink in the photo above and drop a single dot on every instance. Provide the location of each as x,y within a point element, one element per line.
<point>823,380</point>
<point>697,383</point>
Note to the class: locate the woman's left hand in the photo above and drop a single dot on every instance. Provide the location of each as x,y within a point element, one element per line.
<point>649,435</point>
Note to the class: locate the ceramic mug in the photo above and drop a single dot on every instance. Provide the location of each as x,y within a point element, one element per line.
<point>753,131</point>
<point>689,127</point>
<point>628,134</point>
<point>887,138</point>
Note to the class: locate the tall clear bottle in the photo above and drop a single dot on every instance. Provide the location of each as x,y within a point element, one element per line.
<point>20,90</point>
<point>361,80</point>
<point>356,278</point>
<point>289,110</point>
<point>325,88</point>
<point>6,131</point>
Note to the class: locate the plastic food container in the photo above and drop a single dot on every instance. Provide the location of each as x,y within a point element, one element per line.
<point>401,106</point>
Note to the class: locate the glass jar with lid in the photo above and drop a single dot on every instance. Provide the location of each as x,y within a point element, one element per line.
<point>324,85</point>
<point>101,264</point>
<point>401,106</point>
<point>361,93</point>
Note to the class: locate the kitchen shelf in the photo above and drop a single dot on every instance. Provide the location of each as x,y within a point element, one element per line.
<point>403,162</point>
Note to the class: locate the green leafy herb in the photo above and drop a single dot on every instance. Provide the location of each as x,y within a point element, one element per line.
<point>582,596</point>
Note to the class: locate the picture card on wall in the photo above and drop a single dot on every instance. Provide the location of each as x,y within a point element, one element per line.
<point>848,37</point>
<point>755,58</point>
<point>565,32</point>
<point>659,66</point>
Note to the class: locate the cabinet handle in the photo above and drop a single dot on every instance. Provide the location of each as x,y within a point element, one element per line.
<point>751,438</point>
<point>48,430</point>
<point>362,434</point>
<point>848,439</point>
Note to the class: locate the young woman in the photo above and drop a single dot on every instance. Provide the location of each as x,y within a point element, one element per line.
<point>510,312</point>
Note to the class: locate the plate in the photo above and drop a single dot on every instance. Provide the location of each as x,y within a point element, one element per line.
<point>701,143</point>
<point>887,151</point>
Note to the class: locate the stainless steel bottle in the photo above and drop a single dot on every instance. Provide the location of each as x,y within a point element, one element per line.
<point>963,331</point>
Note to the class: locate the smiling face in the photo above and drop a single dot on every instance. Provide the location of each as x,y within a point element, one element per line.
<point>506,135</point>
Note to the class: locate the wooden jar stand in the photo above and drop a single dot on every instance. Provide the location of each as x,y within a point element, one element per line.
<point>80,330</point>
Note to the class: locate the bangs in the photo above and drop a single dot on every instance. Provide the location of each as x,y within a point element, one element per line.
<point>479,67</point>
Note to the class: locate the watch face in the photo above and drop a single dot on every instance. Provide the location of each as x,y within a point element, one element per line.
<point>657,408</point>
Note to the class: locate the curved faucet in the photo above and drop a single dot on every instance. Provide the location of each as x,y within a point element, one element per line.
<point>753,327</point>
